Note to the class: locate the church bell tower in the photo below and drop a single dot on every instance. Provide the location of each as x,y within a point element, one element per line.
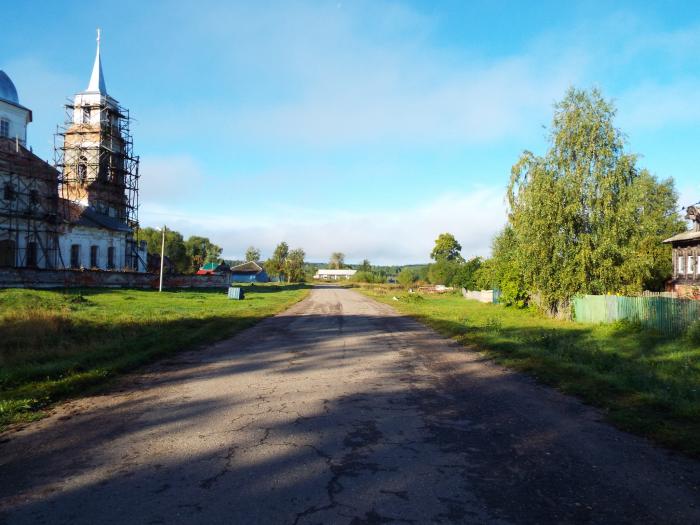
<point>98,168</point>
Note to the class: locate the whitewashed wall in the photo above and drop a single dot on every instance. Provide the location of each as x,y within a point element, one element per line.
<point>103,239</point>
<point>483,296</point>
<point>18,119</point>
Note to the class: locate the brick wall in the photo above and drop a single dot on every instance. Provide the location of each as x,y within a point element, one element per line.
<point>38,278</point>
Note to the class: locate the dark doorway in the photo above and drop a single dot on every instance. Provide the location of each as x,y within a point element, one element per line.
<point>8,255</point>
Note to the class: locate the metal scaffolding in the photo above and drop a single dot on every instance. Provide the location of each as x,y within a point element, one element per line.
<point>29,218</point>
<point>93,152</point>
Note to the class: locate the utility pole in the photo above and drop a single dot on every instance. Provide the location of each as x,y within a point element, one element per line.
<point>162,259</point>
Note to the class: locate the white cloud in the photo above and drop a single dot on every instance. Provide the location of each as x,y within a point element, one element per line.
<point>170,179</point>
<point>397,236</point>
<point>654,105</point>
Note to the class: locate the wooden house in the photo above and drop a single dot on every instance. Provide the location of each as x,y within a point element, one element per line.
<point>686,257</point>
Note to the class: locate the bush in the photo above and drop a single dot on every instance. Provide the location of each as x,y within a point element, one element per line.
<point>406,277</point>
<point>369,277</point>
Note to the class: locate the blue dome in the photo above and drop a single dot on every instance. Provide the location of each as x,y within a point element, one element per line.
<point>8,92</point>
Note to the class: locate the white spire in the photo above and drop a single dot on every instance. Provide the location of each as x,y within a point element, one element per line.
<point>97,79</point>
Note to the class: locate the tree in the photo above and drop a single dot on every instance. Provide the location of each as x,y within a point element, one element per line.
<point>252,254</point>
<point>446,249</point>
<point>443,272</point>
<point>275,265</point>
<point>365,266</point>
<point>465,276</point>
<point>201,251</point>
<point>294,265</point>
<point>337,261</point>
<point>583,218</point>
<point>406,277</point>
<point>175,248</point>
<point>505,271</point>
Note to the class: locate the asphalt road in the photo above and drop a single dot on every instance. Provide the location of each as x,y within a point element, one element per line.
<point>337,411</point>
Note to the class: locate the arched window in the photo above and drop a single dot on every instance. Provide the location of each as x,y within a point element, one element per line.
<point>82,169</point>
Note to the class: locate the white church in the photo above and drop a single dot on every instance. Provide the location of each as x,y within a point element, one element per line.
<point>82,212</point>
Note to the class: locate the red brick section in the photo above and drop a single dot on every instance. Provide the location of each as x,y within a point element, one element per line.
<point>38,278</point>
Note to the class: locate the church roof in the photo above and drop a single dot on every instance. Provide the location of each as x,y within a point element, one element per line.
<point>78,215</point>
<point>97,79</point>
<point>8,92</point>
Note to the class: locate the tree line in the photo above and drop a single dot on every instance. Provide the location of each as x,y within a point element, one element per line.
<point>186,255</point>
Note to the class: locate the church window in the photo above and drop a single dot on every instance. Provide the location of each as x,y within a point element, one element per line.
<point>86,115</point>
<point>94,250</point>
<point>110,257</point>
<point>82,169</point>
<point>33,197</point>
<point>4,128</point>
<point>31,261</point>
<point>8,192</point>
<point>75,256</point>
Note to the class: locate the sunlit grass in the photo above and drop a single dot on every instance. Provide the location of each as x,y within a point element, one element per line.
<point>55,344</point>
<point>646,382</point>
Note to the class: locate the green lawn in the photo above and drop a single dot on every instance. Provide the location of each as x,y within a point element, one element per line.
<point>645,382</point>
<point>54,344</point>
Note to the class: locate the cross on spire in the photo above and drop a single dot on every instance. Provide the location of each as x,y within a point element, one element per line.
<point>97,79</point>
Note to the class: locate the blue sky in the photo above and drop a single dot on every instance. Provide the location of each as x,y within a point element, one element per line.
<point>362,127</point>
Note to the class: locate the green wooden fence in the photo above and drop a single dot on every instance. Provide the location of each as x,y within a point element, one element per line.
<point>666,314</point>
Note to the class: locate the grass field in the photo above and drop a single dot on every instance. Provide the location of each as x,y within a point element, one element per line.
<point>55,344</point>
<point>646,383</point>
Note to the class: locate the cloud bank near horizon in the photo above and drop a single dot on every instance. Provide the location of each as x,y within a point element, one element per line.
<point>397,236</point>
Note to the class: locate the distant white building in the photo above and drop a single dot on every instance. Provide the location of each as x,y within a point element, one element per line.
<point>334,275</point>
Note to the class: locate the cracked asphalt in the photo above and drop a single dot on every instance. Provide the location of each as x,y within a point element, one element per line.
<point>339,410</point>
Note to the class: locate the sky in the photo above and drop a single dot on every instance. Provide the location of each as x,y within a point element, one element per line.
<point>366,127</point>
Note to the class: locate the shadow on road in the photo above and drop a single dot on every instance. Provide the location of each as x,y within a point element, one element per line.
<point>416,433</point>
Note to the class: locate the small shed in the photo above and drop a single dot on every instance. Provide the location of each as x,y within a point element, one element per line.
<point>214,269</point>
<point>249,272</point>
<point>686,257</point>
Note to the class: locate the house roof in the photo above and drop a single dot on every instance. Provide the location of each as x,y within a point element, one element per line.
<point>78,215</point>
<point>685,236</point>
<point>214,267</point>
<point>247,267</point>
